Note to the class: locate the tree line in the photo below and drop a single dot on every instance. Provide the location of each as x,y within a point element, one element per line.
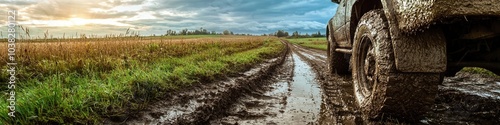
<point>279,33</point>
<point>296,34</point>
<point>201,31</point>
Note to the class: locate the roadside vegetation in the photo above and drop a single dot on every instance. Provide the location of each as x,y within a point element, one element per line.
<point>482,71</point>
<point>315,43</point>
<point>81,81</point>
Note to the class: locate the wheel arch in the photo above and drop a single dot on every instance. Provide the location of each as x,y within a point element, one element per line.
<point>327,32</point>
<point>329,29</point>
<point>359,8</point>
<point>407,60</point>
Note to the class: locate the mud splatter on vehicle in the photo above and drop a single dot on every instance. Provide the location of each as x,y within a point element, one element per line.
<point>399,51</point>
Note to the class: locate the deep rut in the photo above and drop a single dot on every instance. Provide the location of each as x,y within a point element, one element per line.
<point>293,96</point>
<point>296,90</point>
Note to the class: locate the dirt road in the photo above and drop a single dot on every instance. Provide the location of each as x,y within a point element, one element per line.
<point>293,97</point>
<point>295,89</point>
<point>464,99</point>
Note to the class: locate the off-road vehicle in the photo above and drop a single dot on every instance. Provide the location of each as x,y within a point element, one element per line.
<point>398,51</point>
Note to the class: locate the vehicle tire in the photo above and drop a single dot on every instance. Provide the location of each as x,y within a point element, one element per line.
<point>380,90</point>
<point>337,63</point>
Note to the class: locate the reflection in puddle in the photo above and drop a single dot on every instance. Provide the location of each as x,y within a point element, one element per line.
<point>486,88</point>
<point>305,98</point>
<point>293,99</point>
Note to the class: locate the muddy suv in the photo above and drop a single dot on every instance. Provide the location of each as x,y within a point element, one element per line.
<point>398,51</point>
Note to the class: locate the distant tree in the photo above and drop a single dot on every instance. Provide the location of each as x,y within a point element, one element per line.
<point>295,34</point>
<point>203,31</point>
<point>281,33</point>
<point>318,34</point>
<point>226,32</point>
<point>169,32</point>
<point>184,32</point>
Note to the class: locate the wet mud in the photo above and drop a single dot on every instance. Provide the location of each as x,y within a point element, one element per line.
<point>295,89</point>
<point>292,97</point>
<point>467,99</point>
<point>464,99</point>
<point>201,103</point>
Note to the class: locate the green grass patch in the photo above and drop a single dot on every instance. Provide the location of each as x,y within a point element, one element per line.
<point>85,98</point>
<point>482,71</point>
<point>315,43</point>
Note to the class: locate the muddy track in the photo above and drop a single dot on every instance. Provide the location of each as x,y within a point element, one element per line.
<point>291,96</point>
<point>464,99</point>
<point>296,89</point>
<point>338,106</point>
<point>200,103</point>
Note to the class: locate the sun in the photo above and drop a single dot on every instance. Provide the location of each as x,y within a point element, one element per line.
<point>75,21</point>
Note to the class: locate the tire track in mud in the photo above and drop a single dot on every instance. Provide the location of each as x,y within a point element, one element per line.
<point>296,89</point>
<point>464,99</point>
<point>200,103</point>
<point>292,96</point>
<point>338,106</point>
<point>467,99</point>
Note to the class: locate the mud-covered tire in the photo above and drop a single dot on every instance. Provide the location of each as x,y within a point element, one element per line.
<point>337,63</point>
<point>382,91</point>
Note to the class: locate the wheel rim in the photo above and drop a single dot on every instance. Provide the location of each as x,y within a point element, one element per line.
<point>365,69</point>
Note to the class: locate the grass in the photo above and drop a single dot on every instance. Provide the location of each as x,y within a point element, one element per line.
<point>315,43</point>
<point>83,81</point>
<point>482,71</point>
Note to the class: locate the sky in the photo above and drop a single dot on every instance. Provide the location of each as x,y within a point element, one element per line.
<point>148,17</point>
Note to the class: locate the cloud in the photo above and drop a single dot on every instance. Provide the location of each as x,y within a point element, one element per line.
<point>157,16</point>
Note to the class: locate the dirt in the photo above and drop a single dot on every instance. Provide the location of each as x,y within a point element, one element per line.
<point>200,103</point>
<point>296,89</point>
<point>467,99</point>
<point>415,15</point>
<point>293,97</point>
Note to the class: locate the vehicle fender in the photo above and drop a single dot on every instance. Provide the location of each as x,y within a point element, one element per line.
<point>420,51</point>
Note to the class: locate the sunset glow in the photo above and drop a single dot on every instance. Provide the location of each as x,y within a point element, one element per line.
<point>156,16</point>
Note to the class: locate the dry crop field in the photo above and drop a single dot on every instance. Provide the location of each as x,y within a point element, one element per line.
<point>85,80</point>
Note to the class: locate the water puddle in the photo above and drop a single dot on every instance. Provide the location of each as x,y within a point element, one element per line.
<point>303,104</point>
<point>309,56</point>
<point>293,97</point>
<point>309,53</point>
<point>482,87</point>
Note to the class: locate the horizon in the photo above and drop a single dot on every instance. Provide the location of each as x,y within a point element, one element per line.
<point>156,17</point>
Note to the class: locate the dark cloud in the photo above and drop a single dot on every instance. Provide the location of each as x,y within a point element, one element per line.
<point>157,16</point>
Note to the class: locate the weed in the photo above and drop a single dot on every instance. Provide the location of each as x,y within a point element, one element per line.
<point>80,81</point>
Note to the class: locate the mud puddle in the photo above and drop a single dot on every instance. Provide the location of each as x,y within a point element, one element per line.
<point>291,97</point>
<point>338,106</point>
<point>311,54</point>
<point>466,99</point>
<point>300,91</point>
<point>200,103</point>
